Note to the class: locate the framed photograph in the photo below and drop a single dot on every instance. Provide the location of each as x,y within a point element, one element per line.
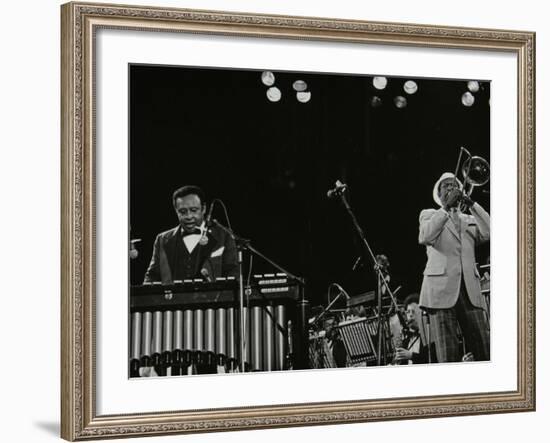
<point>281,221</point>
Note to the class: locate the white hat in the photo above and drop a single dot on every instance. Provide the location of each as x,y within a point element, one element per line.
<point>444,176</point>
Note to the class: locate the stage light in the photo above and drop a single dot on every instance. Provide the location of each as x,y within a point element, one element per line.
<point>375,101</point>
<point>299,86</point>
<point>379,82</point>
<point>473,86</point>
<point>468,99</point>
<point>273,94</point>
<point>268,78</point>
<point>410,87</point>
<point>303,97</point>
<point>400,101</point>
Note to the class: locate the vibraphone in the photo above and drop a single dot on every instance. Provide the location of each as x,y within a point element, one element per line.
<point>195,324</point>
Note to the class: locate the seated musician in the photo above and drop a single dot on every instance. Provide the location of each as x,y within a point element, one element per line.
<point>192,249</point>
<point>414,349</point>
<point>336,345</point>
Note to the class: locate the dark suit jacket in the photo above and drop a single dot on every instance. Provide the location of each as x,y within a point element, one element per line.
<point>423,356</point>
<point>217,261</point>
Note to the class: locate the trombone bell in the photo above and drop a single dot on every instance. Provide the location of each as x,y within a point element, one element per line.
<point>476,172</point>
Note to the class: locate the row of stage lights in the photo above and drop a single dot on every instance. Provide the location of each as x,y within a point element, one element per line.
<point>468,98</point>
<point>274,93</point>
<point>380,83</point>
<point>410,87</point>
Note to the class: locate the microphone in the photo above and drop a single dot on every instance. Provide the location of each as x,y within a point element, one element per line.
<point>206,275</point>
<point>133,250</point>
<point>209,214</point>
<point>358,262</point>
<point>338,189</point>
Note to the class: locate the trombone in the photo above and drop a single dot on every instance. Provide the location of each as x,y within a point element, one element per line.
<point>475,171</point>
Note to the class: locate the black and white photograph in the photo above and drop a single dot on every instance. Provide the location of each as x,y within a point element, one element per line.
<point>284,220</point>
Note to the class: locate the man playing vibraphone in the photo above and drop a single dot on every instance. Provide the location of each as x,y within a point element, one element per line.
<point>192,249</point>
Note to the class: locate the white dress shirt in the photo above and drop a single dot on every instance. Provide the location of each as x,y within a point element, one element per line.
<point>192,240</point>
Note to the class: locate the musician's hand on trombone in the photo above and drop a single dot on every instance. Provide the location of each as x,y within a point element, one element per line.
<point>467,201</point>
<point>451,198</point>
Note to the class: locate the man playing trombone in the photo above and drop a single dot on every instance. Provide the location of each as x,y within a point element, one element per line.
<point>451,292</point>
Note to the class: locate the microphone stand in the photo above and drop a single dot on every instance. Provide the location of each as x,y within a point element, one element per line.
<point>429,335</point>
<point>243,244</point>
<point>382,283</point>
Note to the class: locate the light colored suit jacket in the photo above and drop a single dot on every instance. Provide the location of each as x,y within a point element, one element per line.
<point>451,255</point>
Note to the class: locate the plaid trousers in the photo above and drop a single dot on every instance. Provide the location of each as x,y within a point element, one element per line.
<point>473,323</point>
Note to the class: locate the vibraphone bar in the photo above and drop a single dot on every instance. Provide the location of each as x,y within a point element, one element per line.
<point>194,326</point>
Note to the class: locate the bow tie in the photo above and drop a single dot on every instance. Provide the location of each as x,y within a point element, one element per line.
<point>195,231</point>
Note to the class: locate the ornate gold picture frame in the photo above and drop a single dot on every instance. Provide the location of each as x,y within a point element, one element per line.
<point>79,395</point>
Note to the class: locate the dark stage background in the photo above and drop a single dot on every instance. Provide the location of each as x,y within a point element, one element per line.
<point>272,164</point>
